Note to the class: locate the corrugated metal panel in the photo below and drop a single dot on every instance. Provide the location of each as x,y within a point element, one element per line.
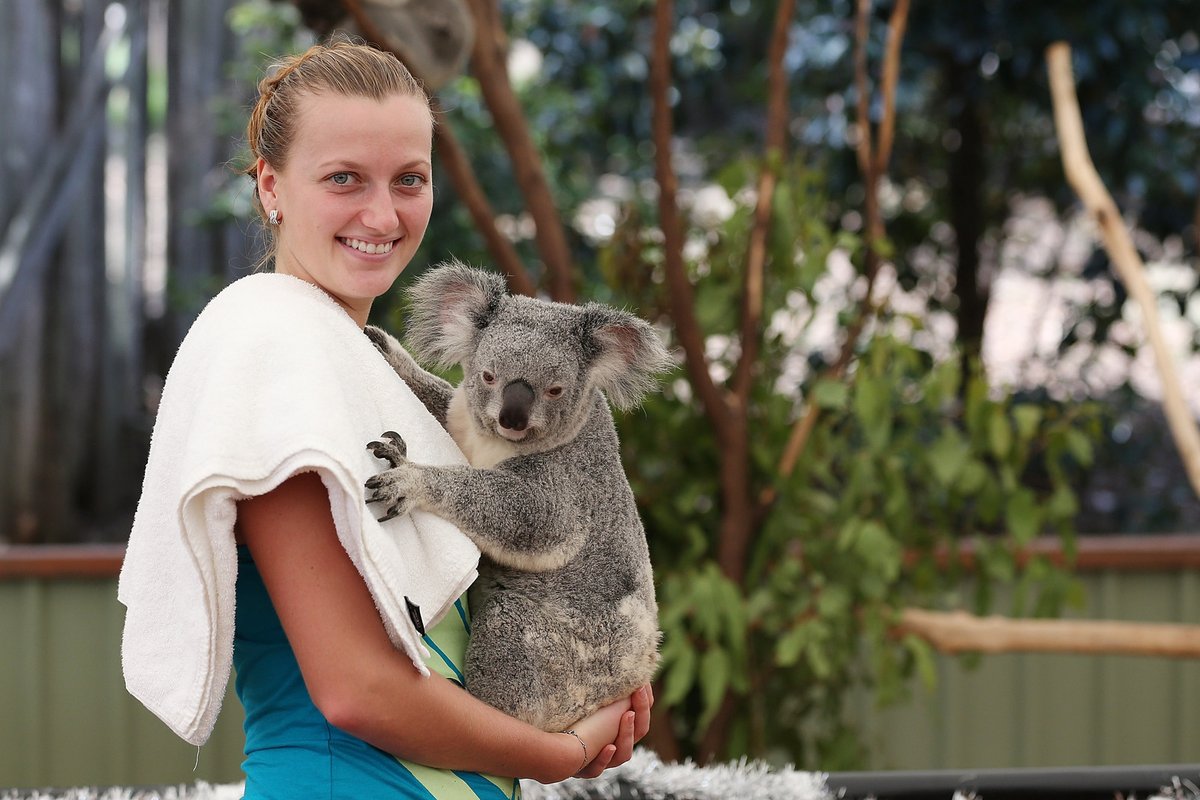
<point>65,718</point>
<point>1053,710</point>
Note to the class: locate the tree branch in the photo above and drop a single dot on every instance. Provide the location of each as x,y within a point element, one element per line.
<point>1085,180</point>
<point>681,302</point>
<point>459,167</point>
<point>960,632</point>
<point>490,69</point>
<point>756,251</point>
<point>891,76</point>
<point>873,164</point>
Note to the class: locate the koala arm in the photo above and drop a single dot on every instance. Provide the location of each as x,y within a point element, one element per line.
<point>433,392</point>
<point>508,512</point>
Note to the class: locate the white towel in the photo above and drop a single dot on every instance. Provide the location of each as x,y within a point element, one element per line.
<point>274,378</point>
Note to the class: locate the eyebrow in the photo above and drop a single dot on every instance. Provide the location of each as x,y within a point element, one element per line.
<point>339,163</point>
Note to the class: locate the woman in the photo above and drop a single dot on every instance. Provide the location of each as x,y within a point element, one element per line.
<point>341,138</point>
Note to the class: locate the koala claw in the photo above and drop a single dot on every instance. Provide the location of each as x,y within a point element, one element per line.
<point>391,514</point>
<point>393,449</point>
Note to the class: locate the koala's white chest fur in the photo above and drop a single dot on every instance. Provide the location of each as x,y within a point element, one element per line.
<point>482,451</point>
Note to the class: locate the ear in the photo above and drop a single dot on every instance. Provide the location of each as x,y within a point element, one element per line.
<point>627,354</point>
<point>265,179</point>
<point>451,304</point>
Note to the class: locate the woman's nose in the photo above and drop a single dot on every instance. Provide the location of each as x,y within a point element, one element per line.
<point>380,212</point>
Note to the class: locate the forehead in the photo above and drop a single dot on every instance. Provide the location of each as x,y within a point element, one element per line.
<point>332,127</point>
<point>526,338</point>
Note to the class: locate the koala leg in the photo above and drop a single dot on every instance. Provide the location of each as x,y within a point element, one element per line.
<point>517,662</point>
<point>433,392</point>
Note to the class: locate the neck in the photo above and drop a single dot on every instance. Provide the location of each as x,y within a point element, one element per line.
<point>359,315</point>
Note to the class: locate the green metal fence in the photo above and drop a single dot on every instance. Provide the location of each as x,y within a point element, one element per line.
<point>65,719</point>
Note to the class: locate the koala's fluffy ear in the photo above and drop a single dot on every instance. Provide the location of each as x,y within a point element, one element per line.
<point>627,353</point>
<point>451,304</point>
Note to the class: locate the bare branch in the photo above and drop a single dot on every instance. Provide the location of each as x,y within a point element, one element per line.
<point>960,632</point>
<point>873,164</point>
<point>891,76</point>
<point>681,301</point>
<point>471,193</point>
<point>1085,180</point>
<point>756,251</point>
<point>491,70</point>
<point>862,33</point>
<point>459,167</point>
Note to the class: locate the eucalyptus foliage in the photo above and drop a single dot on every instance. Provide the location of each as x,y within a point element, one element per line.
<point>911,462</point>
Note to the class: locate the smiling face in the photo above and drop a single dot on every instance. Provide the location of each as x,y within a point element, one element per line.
<point>354,196</point>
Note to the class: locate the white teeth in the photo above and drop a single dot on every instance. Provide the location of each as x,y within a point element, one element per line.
<point>368,247</point>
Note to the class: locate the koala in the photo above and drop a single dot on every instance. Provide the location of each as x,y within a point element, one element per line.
<point>564,618</point>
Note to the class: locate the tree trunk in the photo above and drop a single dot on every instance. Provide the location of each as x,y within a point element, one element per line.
<point>201,258</point>
<point>29,63</point>
<point>967,215</point>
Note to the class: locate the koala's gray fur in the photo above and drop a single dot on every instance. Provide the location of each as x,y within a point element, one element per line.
<point>564,618</point>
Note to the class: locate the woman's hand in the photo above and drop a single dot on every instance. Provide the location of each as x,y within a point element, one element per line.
<point>634,723</point>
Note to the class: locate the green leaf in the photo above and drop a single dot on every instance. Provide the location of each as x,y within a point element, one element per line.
<point>680,676</point>
<point>999,433</point>
<point>1080,446</point>
<point>1027,417</point>
<point>714,681</point>
<point>872,407</point>
<point>1062,504</point>
<point>973,477</point>
<point>922,655</point>
<point>830,394</point>
<point>790,645</point>
<point>816,652</point>
<point>1022,516</point>
<point>947,456</point>
<point>833,601</point>
<point>878,549</point>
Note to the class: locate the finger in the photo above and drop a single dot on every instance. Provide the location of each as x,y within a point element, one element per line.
<point>599,763</point>
<point>642,700</point>
<point>624,742</point>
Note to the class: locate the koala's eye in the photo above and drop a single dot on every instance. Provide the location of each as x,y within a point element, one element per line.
<point>554,391</point>
<point>487,377</point>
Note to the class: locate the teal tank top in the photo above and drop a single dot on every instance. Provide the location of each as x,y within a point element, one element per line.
<point>292,753</point>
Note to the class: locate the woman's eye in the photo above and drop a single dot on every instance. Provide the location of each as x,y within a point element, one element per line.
<point>412,180</point>
<point>341,178</point>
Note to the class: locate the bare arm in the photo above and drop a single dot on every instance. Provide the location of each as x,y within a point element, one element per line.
<point>364,686</point>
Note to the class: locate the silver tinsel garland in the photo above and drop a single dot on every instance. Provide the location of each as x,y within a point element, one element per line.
<point>644,777</point>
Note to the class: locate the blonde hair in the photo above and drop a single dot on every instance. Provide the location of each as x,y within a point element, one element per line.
<point>341,67</point>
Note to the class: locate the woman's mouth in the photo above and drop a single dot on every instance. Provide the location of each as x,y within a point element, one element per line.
<point>369,248</point>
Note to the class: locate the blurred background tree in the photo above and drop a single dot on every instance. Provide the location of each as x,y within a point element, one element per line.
<point>974,376</point>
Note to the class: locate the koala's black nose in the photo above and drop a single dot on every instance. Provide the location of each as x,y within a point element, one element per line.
<point>515,402</point>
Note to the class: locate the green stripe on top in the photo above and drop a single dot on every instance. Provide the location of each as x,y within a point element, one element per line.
<point>447,643</point>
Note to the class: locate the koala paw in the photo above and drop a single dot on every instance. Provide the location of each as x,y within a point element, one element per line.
<point>390,486</point>
<point>379,339</point>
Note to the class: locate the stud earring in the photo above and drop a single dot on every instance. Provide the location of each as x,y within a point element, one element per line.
<point>273,216</point>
